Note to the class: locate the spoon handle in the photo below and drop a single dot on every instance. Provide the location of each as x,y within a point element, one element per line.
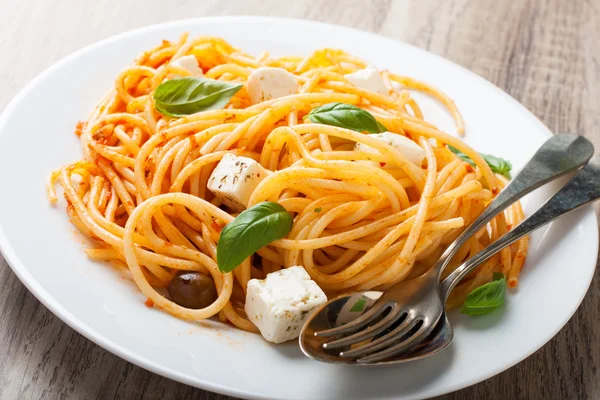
<point>558,156</point>
<point>581,190</point>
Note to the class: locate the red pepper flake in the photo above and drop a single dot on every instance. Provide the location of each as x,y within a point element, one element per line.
<point>382,164</point>
<point>495,191</point>
<point>149,303</point>
<point>469,168</point>
<point>508,226</point>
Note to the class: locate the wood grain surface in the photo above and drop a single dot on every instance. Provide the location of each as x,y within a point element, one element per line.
<point>545,53</point>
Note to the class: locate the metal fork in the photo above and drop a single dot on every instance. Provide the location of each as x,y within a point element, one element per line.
<point>409,311</point>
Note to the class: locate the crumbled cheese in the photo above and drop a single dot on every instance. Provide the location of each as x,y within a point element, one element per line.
<point>412,151</point>
<point>368,79</point>
<point>280,304</point>
<point>266,83</point>
<point>189,63</point>
<point>234,179</point>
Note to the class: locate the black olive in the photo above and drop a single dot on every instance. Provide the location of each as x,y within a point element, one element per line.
<point>192,290</point>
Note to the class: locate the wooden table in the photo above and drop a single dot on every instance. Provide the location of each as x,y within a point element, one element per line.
<point>545,53</point>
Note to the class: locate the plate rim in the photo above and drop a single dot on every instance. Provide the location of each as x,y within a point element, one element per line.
<point>60,311</point>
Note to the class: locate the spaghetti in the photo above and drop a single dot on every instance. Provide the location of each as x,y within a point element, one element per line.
<point>361,221</point>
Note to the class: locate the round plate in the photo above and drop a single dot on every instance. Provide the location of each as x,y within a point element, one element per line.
<point>36,136</point>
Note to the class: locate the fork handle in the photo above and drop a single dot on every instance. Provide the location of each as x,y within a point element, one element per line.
<point>581,190</point>
<point>558,156</point>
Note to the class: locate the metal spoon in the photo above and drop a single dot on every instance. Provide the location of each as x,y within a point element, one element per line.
<point>581,190</point>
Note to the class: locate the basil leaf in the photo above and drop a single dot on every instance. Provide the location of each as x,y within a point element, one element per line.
<point>252,229</point>
<point>346,116</point>
<point>486,298</point>
<point>461,155</point>
<point>183,96</point>
<point>496,276</point>
<point>497,164</point>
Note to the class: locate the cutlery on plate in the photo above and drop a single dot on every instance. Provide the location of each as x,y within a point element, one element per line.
<point>407,313</point>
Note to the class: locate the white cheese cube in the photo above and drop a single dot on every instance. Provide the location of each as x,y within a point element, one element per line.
<point>368,79</point>
<point>280,304</point>
<point>189,63</point>
<point>266,83</point>
<point>412,151</point>
<point>234,179</point>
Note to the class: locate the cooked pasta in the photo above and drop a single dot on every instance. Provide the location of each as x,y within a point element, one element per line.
<point>362,219</point>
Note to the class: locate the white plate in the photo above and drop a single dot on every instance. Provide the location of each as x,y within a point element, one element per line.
<point>36,136</point>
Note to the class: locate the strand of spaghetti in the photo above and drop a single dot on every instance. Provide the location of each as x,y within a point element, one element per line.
<point>372,227</point>
<point>523,244</point>
<point>342,169</point>
<point>140,279</point>
<point>362,220</point>
<point>435,92</point>
<point>50,185</point>
<point>111,207</point>
<point>395,157</point>
<point>96,230</point>
<point>118,184</point>
<point>403,263</point>
<point>163,165</point>
<point>147,149</point>
<point>462,146</point>
<point>111,154</point>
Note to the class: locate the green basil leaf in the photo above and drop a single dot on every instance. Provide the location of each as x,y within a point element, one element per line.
<point>184,96</point>
<point>318,209</point>
<point>497,164</point>
<point>496,276</point>
<point>346,116</point>
<point>254,228</point>
<point>486,298</point>
<point>461,155</point>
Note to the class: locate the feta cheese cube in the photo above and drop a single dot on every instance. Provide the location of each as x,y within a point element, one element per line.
<point>368,79</point>
<point>234,179</point>
<point>280,304</point>
<point>266,83</point>
<point>189,63</point>
<point>412,151</point>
